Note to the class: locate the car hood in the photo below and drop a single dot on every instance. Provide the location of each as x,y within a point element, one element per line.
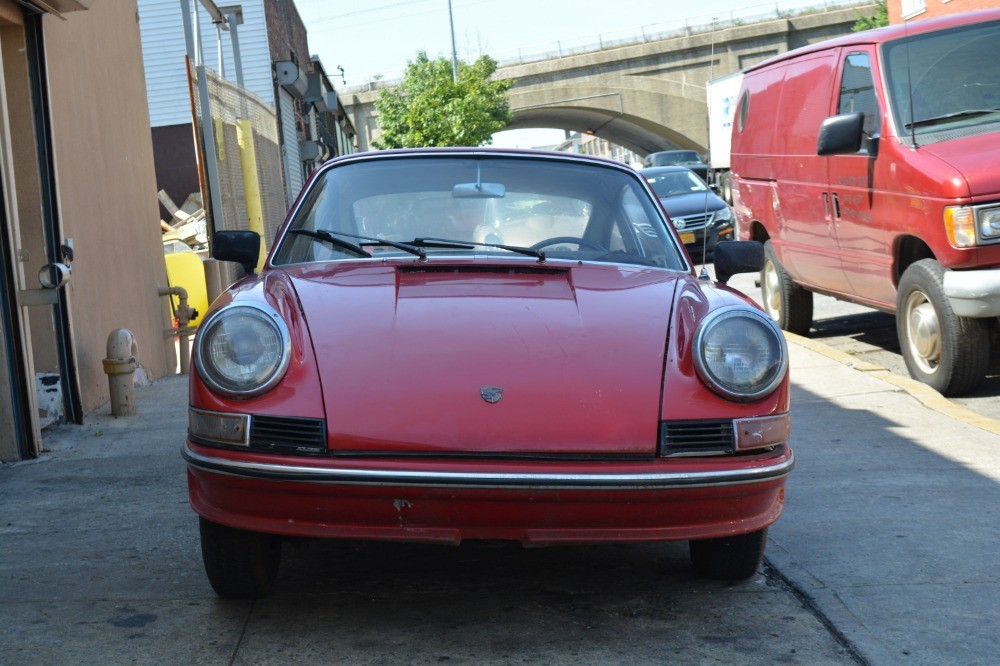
<point>975,158</point>
<point>692,204</point>
<point>411,357</point>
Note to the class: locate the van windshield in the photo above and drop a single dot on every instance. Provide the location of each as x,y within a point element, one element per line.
<point>953,88</point>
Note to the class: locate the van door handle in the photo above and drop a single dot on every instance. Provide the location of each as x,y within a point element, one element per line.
<point>826,205</point>
<point>836,206</point>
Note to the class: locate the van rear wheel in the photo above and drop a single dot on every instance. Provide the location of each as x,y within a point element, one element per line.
<point>941,349</point>
<point>785,302</point>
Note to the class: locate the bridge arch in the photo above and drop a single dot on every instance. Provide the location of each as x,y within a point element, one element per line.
<point>645,96</point>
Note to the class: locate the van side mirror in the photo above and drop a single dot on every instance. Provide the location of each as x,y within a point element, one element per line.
<point>841,135</point>
<point>732,257</point>
<point>242,247</point>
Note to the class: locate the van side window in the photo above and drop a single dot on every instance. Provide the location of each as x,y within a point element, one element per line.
<point>857,91</point>
<point>743,111</point>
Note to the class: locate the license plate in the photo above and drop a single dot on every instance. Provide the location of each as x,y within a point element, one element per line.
<point>687,238</point>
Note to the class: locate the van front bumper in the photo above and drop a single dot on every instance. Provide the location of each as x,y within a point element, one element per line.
<point>974,293</point>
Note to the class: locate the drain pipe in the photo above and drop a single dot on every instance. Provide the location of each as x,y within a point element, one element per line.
<point>184,331</point>
<point>119,366</point>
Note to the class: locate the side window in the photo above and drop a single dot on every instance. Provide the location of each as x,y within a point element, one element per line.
<point>857,91</point>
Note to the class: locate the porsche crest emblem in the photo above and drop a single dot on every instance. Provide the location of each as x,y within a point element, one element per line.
<point>491,394</point>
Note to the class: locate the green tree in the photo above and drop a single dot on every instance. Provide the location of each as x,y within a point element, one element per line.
<point>880,19</point>
<point>430,109</point>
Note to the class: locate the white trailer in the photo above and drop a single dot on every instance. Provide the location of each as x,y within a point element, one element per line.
<point>722,98</point>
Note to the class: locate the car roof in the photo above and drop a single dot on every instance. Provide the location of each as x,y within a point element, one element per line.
<point>481,151</point>
<point>885,34</point>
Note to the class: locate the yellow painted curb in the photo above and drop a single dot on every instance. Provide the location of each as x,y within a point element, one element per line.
<point>920,391</point>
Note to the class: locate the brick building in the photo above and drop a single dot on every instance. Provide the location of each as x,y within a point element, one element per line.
<point>912,10</point>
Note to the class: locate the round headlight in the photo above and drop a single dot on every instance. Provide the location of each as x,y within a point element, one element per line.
<point>740,353</point>
<point>243,350</point>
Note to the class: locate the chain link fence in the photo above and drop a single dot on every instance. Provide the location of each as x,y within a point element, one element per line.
<point>233,110</point>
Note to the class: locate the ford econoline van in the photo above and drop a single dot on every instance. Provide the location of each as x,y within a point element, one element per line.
<point>869,166</point>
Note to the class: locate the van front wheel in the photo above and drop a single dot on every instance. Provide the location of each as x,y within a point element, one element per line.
<point>785,302</point>
<point>941,349</point>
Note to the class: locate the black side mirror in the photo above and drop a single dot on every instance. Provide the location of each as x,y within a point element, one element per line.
<point>242,247</point>
<point>732,257</point>
<point>841,135</point>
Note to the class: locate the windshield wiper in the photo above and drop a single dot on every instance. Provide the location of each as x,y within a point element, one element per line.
<point>371,240</point>
<point>468,245</point>
<point>950,116</point>
<point>324,235</point>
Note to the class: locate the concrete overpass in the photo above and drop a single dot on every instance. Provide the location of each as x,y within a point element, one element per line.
<point>646,96</point>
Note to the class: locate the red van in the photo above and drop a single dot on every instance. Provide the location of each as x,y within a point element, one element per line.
<point>869,166</point>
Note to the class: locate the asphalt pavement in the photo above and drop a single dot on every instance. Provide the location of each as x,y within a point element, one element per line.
<point>888,541</point>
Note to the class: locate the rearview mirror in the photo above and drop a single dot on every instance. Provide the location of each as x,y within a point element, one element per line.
<point>479,191</point>
<point>732,257</point>
<point>242,247</point>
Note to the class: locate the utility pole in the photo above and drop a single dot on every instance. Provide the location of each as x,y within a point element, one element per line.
<point>454,51</point>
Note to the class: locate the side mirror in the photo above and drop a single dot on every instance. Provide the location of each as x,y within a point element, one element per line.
<point>841,135</point>
<point>732,257</point>
<point>242,247</point>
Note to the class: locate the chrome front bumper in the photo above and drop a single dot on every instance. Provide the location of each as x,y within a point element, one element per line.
<point>345,475</point>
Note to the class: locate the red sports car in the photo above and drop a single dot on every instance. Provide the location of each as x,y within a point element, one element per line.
<point>463,344</point>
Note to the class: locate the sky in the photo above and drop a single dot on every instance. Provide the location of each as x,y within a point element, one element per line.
<point>372,37</point>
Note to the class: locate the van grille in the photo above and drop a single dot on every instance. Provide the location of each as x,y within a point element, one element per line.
<point>697,437</point>
<point>283,434</point>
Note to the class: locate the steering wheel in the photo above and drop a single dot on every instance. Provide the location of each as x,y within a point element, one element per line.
<point>559,240</point>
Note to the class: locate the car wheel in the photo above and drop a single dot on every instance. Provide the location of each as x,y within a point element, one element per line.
<point>941,349</point>
<point>785,302</point>
<point>729,558</point>
<point>239,564</point>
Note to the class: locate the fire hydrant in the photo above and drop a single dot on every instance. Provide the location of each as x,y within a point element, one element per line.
<point>119,366</point>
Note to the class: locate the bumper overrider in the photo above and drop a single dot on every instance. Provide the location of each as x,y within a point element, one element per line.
<point>450,500</point>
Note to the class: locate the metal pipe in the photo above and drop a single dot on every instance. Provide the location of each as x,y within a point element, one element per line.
<point>454,51</point>
<point>184,314</point>
<point>119,366</point>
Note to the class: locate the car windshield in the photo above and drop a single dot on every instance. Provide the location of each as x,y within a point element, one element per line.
<point>675,183</point>
<point>937,76</point>
<point>432,206</point>
<point>680,157</point>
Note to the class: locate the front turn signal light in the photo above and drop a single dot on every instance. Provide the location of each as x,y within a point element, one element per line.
<point>960,223</point>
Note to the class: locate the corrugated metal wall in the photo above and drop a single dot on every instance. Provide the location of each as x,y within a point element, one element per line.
<point>163,51</point>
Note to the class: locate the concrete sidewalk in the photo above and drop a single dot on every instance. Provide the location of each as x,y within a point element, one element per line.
<point>892,522</point>
<point>890,532</point>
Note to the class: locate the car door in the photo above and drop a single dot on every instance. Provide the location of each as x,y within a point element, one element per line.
<point>854,181</point>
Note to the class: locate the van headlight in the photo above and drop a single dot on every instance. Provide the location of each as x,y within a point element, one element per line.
<point>740,353</point>
<point>243,350</point>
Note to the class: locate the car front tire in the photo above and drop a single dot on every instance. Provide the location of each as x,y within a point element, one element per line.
<point>941,349</point>
<point>239,564</point>
<point>735,557</point>
<point>788,304</point>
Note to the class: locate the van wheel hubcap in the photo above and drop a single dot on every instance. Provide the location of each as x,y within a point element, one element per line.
<point>772,291</point>
<point>923,332</point>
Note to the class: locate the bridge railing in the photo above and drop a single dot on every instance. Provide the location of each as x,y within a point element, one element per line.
<point>682,27</point>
